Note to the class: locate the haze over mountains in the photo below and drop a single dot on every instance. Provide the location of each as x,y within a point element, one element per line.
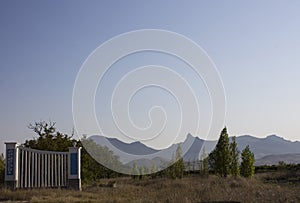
<point>267,150</point>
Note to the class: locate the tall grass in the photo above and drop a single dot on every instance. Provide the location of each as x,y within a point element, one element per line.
<point>189,189</point>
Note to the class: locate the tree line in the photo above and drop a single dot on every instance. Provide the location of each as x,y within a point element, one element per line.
<point>224,160</point>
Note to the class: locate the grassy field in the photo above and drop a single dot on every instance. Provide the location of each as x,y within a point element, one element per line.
<point>261,188</point>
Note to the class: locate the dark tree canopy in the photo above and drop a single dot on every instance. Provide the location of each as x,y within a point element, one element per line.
<point>224,160</point>
<point>176,169</point>
<point>234,154</point>
<point>221,155</point>
<point>247,165</point>
<point>49,138</point>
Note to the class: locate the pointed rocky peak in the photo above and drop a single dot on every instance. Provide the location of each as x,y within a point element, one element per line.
<point>190,137</point>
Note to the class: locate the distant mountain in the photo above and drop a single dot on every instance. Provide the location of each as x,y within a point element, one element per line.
<point>119,147</point>
<point>270,145</point>
<point>191,147</point>
<point>135,148</point>
<point>274,159</point>
<point>194,152</point>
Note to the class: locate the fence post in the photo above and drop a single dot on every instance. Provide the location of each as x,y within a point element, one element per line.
<point>11,165</point>
<point>74,174</point>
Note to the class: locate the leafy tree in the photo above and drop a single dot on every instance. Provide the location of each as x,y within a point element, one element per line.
<point>204,168</point>
<point>153,167</point>
<point>211,160</point>
<point>92,170</point>
<point>188,167</point>
<point>220,157</point>
<point>176,170</point>
<point>142,172</point>
<point>49,138</point>
<point>234,162</point>
<point>179,165</point>
<point>281,165</point>
<point>247,165</point>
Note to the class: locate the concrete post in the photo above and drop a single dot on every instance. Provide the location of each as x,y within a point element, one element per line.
<point>74,168</point>
<point>11,165</point>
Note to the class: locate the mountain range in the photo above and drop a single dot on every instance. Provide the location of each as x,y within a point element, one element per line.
<point>268,150</point>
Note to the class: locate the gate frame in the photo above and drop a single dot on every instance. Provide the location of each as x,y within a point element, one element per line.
<point>12,166</point>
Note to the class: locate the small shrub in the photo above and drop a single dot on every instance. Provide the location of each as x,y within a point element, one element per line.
<point>2,170</point>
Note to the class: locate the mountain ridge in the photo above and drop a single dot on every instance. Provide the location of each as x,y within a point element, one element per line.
<point>192,145</point>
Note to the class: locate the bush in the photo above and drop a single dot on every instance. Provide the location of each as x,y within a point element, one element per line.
<point>2,169</point>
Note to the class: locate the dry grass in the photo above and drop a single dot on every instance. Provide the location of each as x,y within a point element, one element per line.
<point>190,189</point>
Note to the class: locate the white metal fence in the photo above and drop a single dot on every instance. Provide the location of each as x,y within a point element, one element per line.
<point>31,168</point>
<point>42,168</point>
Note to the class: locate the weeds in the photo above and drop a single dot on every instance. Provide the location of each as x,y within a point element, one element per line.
<point>189,189</point>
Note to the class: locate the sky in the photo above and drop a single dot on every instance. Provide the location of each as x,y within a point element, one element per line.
<point>255,46</point>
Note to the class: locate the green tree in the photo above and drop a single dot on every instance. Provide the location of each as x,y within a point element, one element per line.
<point>247,165</point>
<point>179,165</point>
<point>135,170</point>
<point>153,170</point>
<point>204,166</point>
<point>92,170</point>
<point>49,138</point>
<point>282,165</point>
<point>142,172</point>
<point>211,160</point>
<point>234,161</point>
<point>153,167</point>
<point>188,167</point>
<point>221,155</point>
<point>176,170</point>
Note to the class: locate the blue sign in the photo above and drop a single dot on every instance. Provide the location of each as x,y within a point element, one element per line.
<point>74,164</point>
<point>10,159</point>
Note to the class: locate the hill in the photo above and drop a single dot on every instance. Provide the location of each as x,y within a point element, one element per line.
<point>192,148</point>
<point>275,158</point>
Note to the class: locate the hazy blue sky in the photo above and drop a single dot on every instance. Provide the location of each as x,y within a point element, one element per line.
<point>254,44</point>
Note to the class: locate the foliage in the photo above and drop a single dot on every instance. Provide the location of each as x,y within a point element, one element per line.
<point>49,138</point>
<point>220,157</point>
<point>92,170</point>
<point>247,165</point>
<point>142,172</point>
<point>234,161</point>
<point>135,170</point>
<point>204,164</point>
<point>179,164</point>
<point>2,169</point>
<point>280,167</point>
<point>153,170</point>
<point>188,167</point>
<point>176,170</point>
<point>212,160</point>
